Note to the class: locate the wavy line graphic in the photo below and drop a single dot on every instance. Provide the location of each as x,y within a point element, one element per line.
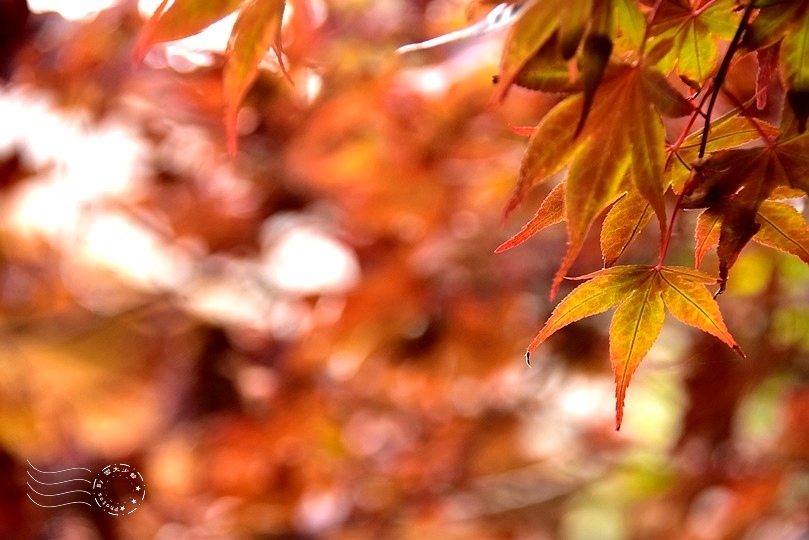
<point>57,483</point>
<point>74,496</point>
<point>57,472</point>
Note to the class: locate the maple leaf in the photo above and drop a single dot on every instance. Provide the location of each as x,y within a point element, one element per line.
<point>183,18</point>
<point>533,28</point>
<point>706,234</point>
<point>623,135</point>
<point>795,60</point>
<point>783,228</point>
<point>787,21</point>
<point>640,294</point>
<point>257,29</point>
<point>685,35</point>
<point>551,212</point>
<point>773,21</point>
<point>730,131</point>
<point>735,182</point>
<point>549,32</point>
<point>526,37</point>
<point>624,222</point>
<point>547,71</point>
<point>630,22</point>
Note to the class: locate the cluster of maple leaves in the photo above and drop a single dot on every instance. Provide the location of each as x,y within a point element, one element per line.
<point>610,137</point>
<point>622,66</point>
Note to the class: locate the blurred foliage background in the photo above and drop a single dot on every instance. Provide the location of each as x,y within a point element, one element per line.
<point>315,340</point>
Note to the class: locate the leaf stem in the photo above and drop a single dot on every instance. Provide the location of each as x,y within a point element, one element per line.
<point>664,248</point>
<point>719,78</point>
<point>717,82</point>
<point>666,240</point>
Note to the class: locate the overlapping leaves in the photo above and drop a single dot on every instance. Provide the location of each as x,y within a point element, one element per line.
<point>734,183</point>
<point>787,21</point>
<point>623,135</point>
<point>684,36</point>
<point>607,137</point>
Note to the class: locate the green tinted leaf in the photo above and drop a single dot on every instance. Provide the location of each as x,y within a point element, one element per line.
<point>547,72</point>
<point>630,22</point>
<point>795,61</point>
<point>688,34</point>
<point>771,23</point>
<point>529,33</point>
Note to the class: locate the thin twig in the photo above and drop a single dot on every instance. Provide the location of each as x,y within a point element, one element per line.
<point>719,79</point>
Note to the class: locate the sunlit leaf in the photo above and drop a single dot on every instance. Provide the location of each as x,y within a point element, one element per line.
<point>551,211</point>
<point>647,138</point>
<point>709,225</point>
<point>604,290</point>
<point>624,134</point>
<point>533,28</point>
<point>257,28</point>
<point>536,24</point>
<point>549,150</point>
<point>183,18</point>
<point>685,35</point>
<point>635,327</point>
<point>690,302</point>
<point>595,55</point>
<point>783,228</point>
<point>630,22</point>
<point>640,293</point>
<point>624,222</point>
